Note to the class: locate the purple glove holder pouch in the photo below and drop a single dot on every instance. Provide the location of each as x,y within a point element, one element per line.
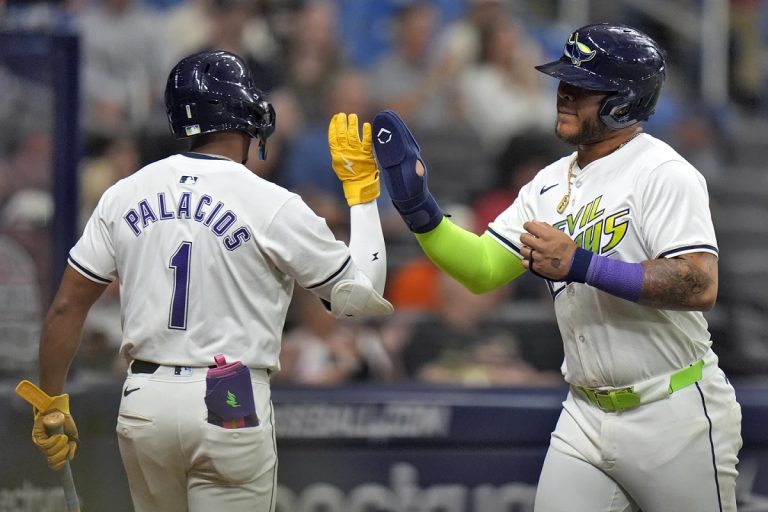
<point>229,395</point>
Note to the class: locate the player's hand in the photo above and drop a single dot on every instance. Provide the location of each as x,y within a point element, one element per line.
<point>547,251</point>
<point>352,159</point>
<point>57,448</point>
<point>404,173</point>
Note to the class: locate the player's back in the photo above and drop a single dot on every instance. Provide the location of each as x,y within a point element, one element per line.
<point>190,236</point>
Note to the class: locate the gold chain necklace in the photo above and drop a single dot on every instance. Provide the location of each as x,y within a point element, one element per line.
<point>567,197</point>
<point>563,204</point>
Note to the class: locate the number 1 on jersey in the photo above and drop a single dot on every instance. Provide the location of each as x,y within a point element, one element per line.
<point>180,266</point>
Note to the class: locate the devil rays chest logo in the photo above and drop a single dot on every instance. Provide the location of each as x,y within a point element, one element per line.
<point>577,51</point>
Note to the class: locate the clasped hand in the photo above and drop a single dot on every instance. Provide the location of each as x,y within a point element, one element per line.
<point>547,251</point>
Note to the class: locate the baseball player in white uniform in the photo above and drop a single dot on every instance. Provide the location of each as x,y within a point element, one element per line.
<point>207,254</point>
<point>622,234</point>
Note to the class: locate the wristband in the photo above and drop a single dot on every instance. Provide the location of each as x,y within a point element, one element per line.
<point>619,278</point>
<point>579,266</point>
<point>421,217</point>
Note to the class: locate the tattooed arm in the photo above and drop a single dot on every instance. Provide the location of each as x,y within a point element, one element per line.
<point>687,282</point>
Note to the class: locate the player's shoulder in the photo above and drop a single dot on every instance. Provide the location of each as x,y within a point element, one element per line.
<point>659,157</point>
<point>136,180</point>
<point>656,152</point>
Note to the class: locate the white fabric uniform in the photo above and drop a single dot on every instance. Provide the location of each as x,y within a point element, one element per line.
<point>644,201</point>
<point>207,254</point>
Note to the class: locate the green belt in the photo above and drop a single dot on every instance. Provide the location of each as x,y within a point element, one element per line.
<point>626,398</point>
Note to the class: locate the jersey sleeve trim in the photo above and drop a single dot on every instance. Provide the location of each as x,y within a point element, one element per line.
<point>87,273</point>
<point>332,276</point>
<point>509,245</point>
<point>688,249</point>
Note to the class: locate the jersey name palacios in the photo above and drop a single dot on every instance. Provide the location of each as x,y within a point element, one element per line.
<point>644,201</point>
<point>206,253</point>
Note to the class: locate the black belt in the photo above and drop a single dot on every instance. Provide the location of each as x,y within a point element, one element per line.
<point>139,366</point>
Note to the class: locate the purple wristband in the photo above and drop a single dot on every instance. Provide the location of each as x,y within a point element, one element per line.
<point>616,277</point>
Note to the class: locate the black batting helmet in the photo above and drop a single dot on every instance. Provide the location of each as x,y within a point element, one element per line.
<point>616,59</point>
<point>212,92</point>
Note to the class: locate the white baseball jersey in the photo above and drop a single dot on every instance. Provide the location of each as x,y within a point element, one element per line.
<point>207,254</point>
<point>643,201</point>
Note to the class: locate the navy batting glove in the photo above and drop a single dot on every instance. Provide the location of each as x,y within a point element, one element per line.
<point>396,152</point>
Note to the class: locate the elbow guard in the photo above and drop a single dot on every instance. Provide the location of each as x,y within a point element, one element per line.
<point>357,298</point>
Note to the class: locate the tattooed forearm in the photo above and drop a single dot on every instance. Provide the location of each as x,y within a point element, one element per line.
<point>680,283</point>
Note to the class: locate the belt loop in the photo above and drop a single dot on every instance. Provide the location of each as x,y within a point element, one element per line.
<point>686,376</point>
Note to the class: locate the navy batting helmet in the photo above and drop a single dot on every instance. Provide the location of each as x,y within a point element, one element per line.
<point>615,59</point>
<point>212,92</point>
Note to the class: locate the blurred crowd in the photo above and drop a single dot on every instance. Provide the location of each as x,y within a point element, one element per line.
<point>459,71</point>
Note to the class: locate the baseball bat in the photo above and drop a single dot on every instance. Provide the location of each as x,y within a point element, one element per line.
<point>54,424</point>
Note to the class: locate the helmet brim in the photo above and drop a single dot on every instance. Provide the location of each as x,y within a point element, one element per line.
<point>578,76</point>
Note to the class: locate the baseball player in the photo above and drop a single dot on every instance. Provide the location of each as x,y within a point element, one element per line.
<point>207,254</point>
<point>621,232</point>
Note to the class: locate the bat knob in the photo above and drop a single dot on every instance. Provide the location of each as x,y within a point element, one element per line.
<point>54,422</point>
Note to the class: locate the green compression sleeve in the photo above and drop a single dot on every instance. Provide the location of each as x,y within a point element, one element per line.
<point>480,263</point>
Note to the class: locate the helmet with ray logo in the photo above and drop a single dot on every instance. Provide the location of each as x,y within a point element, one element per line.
<point>616,59</point>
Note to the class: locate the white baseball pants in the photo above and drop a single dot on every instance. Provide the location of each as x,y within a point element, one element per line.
<point>676,454</point>
<point>177,462</point>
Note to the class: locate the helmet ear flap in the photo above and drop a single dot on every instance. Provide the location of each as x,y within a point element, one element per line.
<point>266,127</point>
<point>621,110</point>
<point>616,110</point>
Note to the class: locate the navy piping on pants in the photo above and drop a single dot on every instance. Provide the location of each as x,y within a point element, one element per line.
<point>712,447</point>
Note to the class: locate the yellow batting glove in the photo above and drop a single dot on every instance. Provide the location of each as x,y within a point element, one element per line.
<point>352,159</point>
<point>57,448</point>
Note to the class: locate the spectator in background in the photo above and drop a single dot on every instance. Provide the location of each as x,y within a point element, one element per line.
<point>26,110</point>
<point>518,162</point>
<point>26,219</point>
<point>232,22</point>
<point>314,58</point>
<point>411,80</point>
<point>28,103</point>
<point>442,332</point>
<point>308,163</point>
<point>320,350</point>
<point>119,159</point>
<point>462,344</point>
<point>462,38</point>
<point>748,49</point>
<point>30,164</point>
<point>189,13</point>
<point>21,313</point>
<point>124,66</point>
<point>306,166</point>
<point>503,94</point>
<point>412,287</point>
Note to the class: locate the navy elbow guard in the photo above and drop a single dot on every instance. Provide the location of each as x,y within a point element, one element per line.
<point>420,216</point>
